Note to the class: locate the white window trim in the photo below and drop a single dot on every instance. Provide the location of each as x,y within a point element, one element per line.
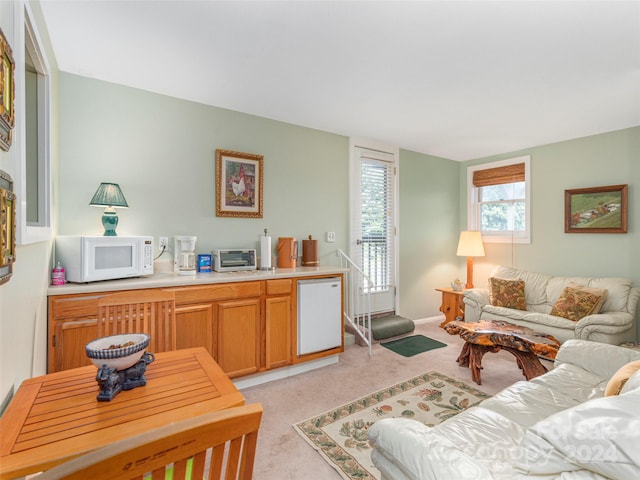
<point>473,222</point>
<point>26,234</point>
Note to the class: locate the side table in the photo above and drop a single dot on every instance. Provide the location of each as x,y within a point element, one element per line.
<point>452,305</point>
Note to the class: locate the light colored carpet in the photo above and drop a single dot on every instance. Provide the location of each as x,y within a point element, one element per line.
<point>283,455</point>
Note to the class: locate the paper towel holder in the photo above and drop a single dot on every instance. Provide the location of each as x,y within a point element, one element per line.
<point>265,249</point>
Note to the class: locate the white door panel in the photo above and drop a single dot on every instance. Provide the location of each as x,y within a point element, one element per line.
<point>373,231</point>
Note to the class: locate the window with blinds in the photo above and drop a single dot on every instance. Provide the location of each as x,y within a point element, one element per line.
<point>499,200</point>
<point>376,225</point>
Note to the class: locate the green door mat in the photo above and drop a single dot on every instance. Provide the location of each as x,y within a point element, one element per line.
<point>413,345</point>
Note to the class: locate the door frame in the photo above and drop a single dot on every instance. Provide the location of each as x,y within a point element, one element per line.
<point>354,174</point>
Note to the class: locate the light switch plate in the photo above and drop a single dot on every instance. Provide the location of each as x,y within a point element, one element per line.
<point>331,237</point>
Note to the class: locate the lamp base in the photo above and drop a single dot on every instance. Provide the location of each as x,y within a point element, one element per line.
<point>110,222</point>
<point>469,283</point>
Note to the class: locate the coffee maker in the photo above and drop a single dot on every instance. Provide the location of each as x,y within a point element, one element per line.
<point>184,255</point>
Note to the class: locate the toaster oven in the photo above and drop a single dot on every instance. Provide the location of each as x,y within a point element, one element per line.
<point>232,260</point>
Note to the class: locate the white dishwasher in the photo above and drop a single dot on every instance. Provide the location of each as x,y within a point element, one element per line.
<point>319,314</point>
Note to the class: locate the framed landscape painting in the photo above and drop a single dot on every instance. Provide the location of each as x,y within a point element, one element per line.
<point>596,210</point>
<point>238,184</point>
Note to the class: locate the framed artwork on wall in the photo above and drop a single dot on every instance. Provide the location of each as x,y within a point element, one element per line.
<point>7,227</point>
<point>238,184</point>
<point>7,92</point>
<point>596,210</point>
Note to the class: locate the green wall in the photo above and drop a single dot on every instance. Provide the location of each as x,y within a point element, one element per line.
<point>607,159</point>
<point>161,150</point>
<point>429,229</point>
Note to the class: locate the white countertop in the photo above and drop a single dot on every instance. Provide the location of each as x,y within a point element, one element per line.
<point>173,280</point>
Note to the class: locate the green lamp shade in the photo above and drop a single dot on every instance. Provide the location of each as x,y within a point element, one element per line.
<point>109,195</point>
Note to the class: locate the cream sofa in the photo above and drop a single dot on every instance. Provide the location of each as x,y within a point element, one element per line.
<point>614,324</point>
<point>556,426</point>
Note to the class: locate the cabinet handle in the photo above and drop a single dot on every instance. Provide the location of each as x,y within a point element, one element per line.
<point>54,341</point>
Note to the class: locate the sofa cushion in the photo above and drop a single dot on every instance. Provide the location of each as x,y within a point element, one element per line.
<point>600,435</point>
<point>503,313</point>
<point>620,378</point>
<point>507,293</point>
<point>526,403</point>
<point>556,285</point>
<point>550,320</point>
<point>535,284</point>
<point>618,296</point>
<point>412,447</point>
<point>578,301</point>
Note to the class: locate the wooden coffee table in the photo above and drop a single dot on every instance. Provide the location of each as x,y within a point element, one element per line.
<point>492,336</point>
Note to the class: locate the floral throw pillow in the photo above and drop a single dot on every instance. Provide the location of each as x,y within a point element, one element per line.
<point>578,301</point>
<point>507,293</point>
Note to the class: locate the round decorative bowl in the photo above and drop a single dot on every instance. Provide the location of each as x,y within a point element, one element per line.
<point>117,351</point>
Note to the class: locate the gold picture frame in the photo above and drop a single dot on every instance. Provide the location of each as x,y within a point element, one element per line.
<point>596,210</point>
<point>7,227</point>
<point>7,93</point>
<point>239,181</point>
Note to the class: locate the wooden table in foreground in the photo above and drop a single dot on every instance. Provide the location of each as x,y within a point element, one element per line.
<point>56,417</point>
<point>491,336</point>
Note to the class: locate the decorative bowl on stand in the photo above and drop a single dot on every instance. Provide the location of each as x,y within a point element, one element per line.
<point>117,351</point>
<point>121,361</point>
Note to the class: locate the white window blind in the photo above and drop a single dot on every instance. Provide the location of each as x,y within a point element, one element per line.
<point>376,235</point>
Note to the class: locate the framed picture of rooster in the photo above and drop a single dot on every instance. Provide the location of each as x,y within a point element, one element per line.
<point>238,184</point>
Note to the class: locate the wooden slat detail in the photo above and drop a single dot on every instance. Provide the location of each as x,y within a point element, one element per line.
<point>499,175</point>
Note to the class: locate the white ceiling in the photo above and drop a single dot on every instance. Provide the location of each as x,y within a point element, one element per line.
<point>459,80</point>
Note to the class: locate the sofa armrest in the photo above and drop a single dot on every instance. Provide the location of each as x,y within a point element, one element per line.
<point>474,299</point>
<point>420,452</point>
<point>601,359</point>
<point>608,323</point>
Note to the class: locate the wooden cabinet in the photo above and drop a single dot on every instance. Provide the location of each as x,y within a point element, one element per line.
<point>278,323</point>
<point>238,336</point>
<point>452,305</point>
<point>69,339</point>
<point>247,327</point>
<point>195,327</point>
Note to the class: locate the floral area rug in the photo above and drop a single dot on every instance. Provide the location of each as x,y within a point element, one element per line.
<point>340,434</point>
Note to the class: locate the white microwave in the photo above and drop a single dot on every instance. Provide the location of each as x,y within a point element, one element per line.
<point>94,258</point>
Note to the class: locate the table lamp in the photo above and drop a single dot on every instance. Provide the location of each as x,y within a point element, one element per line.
<point>109,195</point>
<point>470,245</point>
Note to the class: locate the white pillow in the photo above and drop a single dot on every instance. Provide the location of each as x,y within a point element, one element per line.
<point>631,384</point>
<point>601,435</point>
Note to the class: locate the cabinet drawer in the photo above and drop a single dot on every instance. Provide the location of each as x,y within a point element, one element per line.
<point>276,287</point>
<point>212,293</point>
<point>74,307</point>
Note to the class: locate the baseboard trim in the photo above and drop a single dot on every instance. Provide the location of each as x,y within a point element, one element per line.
<point>284,372</point>
<point>437,318</point>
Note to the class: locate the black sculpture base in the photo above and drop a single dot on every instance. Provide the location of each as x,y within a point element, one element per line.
<point>112,381</point>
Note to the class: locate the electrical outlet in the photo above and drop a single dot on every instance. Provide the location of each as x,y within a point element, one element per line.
<point>331,237</point>
<point>163,242</point>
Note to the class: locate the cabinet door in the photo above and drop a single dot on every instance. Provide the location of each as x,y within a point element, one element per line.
<point>68,343</point>
<point>238,336</point>
<point>195,327</point>
<point>278,331</point>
